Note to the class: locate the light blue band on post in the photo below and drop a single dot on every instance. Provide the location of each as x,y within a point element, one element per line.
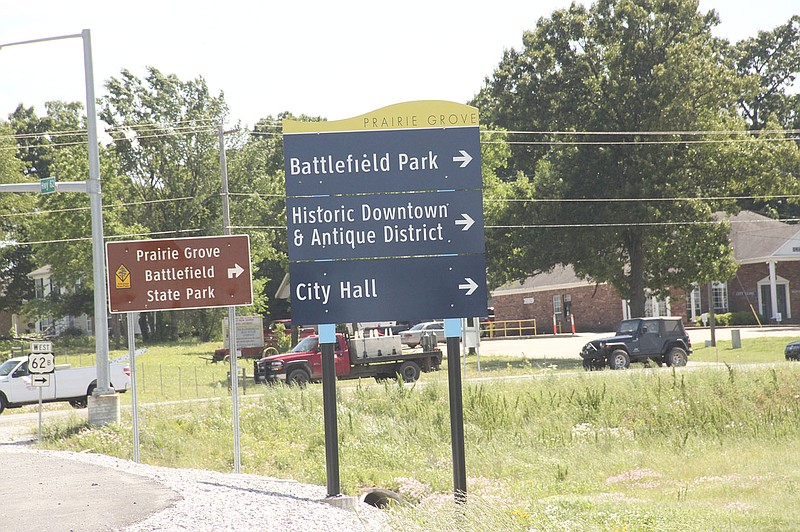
<point>327,333</point>
<point>452,328</point>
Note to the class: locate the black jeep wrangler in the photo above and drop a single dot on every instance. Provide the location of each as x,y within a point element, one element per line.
<point>662,340</point>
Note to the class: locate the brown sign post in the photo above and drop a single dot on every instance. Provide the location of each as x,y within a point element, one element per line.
<point>179,273</point>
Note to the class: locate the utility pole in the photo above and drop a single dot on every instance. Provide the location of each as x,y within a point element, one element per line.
<point>711,319</point>
<point>104,402</point>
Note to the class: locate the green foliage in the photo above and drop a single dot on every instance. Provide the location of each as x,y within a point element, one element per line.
<point>630,68</point>
<point>165,133</point>
<point>15,260</point>
<point>641,450</point>
<point>743,317</point>
<point>166,142</point>
<point>772,61</point>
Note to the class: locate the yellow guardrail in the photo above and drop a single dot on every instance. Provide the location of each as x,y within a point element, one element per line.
<point>502,328</point>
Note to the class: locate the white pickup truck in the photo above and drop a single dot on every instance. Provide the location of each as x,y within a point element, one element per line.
<point>70,384</point>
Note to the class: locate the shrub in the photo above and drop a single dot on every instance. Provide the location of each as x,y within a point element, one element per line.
<point>720,320</point>
<point>723,319</point>
<point>743,317</point>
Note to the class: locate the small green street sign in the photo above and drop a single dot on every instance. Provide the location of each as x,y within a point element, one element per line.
<point>47,185</point>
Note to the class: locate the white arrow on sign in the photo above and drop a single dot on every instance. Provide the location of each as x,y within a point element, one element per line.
<point>464,158</point>
<point>470,286</point>
<point>466,222</point>
<point>236,271</point>
<point>40,381</point>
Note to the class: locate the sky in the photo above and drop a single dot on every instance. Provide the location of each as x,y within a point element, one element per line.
<point>336,59</point>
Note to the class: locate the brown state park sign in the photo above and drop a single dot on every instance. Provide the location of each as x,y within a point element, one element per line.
<point>179,273</point>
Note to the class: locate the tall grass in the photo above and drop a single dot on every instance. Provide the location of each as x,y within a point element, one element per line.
<point>639,450</point>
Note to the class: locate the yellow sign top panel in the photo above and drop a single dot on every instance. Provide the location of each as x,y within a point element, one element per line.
<point>422,114</point>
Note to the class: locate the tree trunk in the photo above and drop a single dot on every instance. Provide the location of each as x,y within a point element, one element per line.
<point>144,325</point>
<point>115,329</point>
<point>637,286</point>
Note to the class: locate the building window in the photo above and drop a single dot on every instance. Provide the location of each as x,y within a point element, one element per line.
<point>693,303</point>
<point>654,307</point>
<point>39,284</point>
<point>719,294</point>
<point>557,305</point>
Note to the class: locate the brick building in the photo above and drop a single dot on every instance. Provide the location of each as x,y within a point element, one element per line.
<point>768,279</point>
<point>767,251</point>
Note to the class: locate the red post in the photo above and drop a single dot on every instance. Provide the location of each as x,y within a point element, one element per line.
<point>572,321</point>
<point>555,331</point>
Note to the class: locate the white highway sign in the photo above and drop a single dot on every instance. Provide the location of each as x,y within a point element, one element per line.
<point>41,363</point>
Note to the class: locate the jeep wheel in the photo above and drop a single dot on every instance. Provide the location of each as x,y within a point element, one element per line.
<point>619,359</point>
<point>677,357</point>
<point>587,364</point>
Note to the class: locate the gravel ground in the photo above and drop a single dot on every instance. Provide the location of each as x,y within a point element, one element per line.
<point>212,501</point>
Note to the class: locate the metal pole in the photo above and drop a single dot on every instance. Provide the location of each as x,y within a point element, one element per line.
<point>452,331</point>
<point>327,338</point>
<point>96,205</point>
<point>711,320</point>
<point>134,399</point>
<point>40,414</point>
<point>237,452</point>
<point>226,221</point>
<point>96,209</point>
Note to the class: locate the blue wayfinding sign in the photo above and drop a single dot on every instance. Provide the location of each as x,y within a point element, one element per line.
<point>385,215</point>
<point>385,225</point>
<point>353,162</point>
<point>415,288</point>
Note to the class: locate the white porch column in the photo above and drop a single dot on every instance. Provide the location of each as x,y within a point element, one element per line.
<point>773,290</point>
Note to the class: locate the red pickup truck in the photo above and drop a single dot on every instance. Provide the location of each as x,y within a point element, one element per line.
<point>379,357</point>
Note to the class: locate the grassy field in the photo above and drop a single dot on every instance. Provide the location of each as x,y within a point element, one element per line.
<point>754,350</point>
<point>656,449</point>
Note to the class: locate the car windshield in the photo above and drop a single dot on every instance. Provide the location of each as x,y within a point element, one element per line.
<point>417,327</point>
<point>628,327</point>
<point>7,367</point>
<point>305,345</point>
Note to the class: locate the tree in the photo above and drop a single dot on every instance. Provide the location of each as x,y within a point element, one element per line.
<point>258,204</point>
<point>770,62</point>
<point>59,225</point>
<point>165,133</point>
<point>15,257</point>
<point>607,80</point>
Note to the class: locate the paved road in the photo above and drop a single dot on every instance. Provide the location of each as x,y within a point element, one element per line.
<point>46,493</point>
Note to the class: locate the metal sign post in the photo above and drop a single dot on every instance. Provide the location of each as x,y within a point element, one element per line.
<point>452,331</point>
<point>41,363</point>
<point>232,348</point>
<point>134,399</point>
<point>327,340</point>
<point>40,414</point>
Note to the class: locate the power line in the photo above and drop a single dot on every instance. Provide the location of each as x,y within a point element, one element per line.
<point>107,237</point>
<point>520,226</point>
<point>632,142</point>
<point>105,206</point>
<point>643,133</point>
<point>639,200</point>
<point>635,224</point>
